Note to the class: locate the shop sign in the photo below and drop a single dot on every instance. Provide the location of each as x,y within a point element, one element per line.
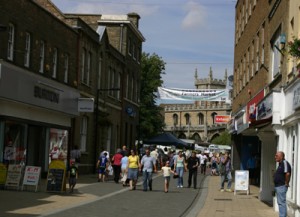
<point>32,175</point>
<point>231,126</point>
<point>241,182</point>
<point>241,123</point>
<point>222,119</point>
<point>264,108</point>
<point>296,98</point>
<point>252,106</point>
<point>85,104</point>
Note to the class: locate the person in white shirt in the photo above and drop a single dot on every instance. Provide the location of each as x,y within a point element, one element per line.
<point>203,160</point>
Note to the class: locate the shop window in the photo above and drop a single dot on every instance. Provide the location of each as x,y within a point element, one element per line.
<point>14,151</point>
<point>58,144</point>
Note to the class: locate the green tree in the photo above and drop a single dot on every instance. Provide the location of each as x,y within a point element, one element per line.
<point>151,120</point>
<point>223,139</point>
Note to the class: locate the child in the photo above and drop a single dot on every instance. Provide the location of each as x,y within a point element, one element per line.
<point>167,173</point>
<point>73,176</point>
<point>102,164</point>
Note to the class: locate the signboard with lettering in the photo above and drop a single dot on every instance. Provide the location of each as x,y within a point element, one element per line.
<point>241,182</point>
<point>86,104</point>
<point>56,176</point>
<point>14,174</point>
<point>264,108</point>
<point>222,119</point>
<point>32,176</point>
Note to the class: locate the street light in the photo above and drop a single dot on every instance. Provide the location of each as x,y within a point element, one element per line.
<point>96,118</point>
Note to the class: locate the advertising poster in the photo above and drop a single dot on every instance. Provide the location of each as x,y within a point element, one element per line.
<point>14,175</point>
<point>32,176</point>
<point>241,181</point>
<point>56,176</point>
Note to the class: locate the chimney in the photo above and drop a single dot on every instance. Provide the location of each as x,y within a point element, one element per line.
<point>134,19</point>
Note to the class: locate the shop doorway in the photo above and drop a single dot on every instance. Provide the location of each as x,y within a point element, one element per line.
<point>36,154</point>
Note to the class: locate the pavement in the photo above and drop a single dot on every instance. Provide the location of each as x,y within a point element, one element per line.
<point>205,201</point>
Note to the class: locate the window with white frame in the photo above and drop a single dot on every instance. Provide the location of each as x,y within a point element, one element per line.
<point>275,55</point>
<point>54,63</point>
<point>257,53</point>
<point>11,42</point>
<point>27,49</point>
<point>83,133</point>
<point>42,56</point>
<point>66,68</point>
<point>200,119</point>
<point>262,35</point>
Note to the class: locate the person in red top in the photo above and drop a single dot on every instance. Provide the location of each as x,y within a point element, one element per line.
<point>117,165</point>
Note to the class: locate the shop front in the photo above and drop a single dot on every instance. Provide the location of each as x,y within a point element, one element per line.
<point>35,117</point>
<point>289,141</point>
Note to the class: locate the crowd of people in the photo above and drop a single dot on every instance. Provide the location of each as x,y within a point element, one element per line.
<point>127,165</point>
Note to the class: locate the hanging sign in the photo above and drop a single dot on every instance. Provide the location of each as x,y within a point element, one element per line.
<point>193,94</point>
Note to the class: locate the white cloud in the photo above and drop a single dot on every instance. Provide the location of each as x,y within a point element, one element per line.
<point>195,15</point>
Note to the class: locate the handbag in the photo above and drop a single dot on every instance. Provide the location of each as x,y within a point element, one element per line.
<point>175,176</point>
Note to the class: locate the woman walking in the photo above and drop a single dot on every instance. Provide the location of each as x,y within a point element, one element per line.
<point>133,166</point>
<point>180,167</point>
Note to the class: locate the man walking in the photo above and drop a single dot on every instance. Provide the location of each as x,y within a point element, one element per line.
<point>281,180</point>
<point>192,165</point>
<point>148,163</point>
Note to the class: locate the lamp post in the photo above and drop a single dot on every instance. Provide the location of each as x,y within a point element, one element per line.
<point>97,119</point>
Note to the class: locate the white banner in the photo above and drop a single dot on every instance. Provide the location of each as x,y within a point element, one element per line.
<point>193,94</point>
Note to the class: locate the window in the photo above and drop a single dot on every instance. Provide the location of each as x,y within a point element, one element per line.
<point>257,53</point>
<point>134,51</point>
<point>88,68</point>
<point>275,56</point>
<point>27,50</point>
<point>83,133</point>
<point>42,56</point>
<point>187,119</point>
<point>82,65</point>
<point>201,119</point>
<point>213,117</point>
<point>99,73</point>
<point>11,42</point>
<point>175,119</point>
<point>129,46</point>
<point>66,68</point>
<point>262,45</point>
<point>252,59</point>
<point>54,63</point>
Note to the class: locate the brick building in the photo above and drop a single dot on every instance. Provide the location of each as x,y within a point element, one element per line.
<point>265,85</point>
<point>196,120</point>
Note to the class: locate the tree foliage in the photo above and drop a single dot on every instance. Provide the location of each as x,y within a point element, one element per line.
<point>151,120</point>
<point>223,139</point>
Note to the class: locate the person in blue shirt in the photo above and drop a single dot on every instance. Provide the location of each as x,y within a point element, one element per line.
<point>281,181</point>
<point>102,164</point>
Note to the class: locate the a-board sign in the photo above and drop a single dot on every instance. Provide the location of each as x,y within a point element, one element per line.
<point>14,174</point>
<point>241,181</point>
<point>56,176</point>
<point>32,176</point>
<point>3,172</point>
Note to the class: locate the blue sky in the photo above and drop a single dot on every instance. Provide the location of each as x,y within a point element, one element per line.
<point>186,34</point>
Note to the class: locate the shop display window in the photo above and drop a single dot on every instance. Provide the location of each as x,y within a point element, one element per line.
<point>58,149</point>
<point>14,151</point>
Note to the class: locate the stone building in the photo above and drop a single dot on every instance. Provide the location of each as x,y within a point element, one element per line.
<point>56,61</point>
<point>196,120</point>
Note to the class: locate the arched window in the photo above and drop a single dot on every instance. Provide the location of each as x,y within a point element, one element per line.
<point>201,119</point>
<point>187,119</point>
<point>213,117</point>
<point>175,119</point>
